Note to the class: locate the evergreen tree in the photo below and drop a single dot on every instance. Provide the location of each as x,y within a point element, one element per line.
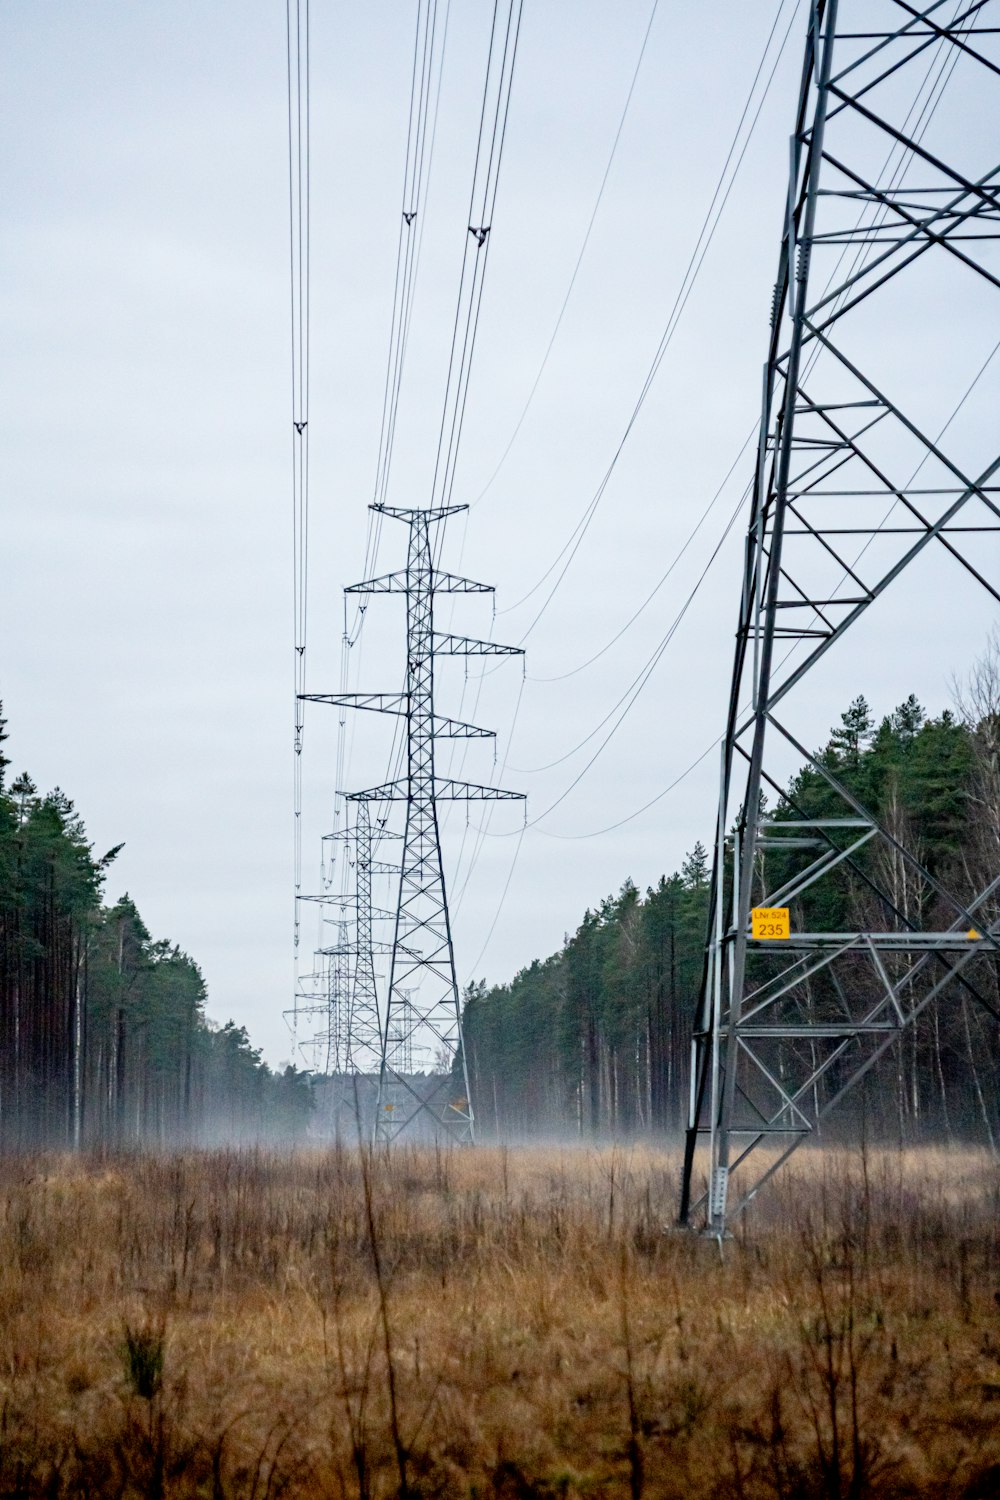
<point>596,1037</point>
<point>4,736</point>
<point>103,1036</point>
<point>694,870</point>
<point>853,735</point>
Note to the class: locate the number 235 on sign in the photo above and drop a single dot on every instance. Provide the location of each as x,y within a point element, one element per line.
<point>770,922</point>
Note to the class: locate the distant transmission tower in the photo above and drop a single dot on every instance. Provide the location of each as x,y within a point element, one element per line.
<point>361,1027</point>
<point>892,214</point>
<point>366,1030</point>
<point>325,995</point>
<point>423,1005</point>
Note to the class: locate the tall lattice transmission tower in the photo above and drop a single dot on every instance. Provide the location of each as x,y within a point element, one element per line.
<point>360,1025</point>
<point>323,997</point>
<point>878,446</point>
<point>346,1048</point>
<point>423,1004</point>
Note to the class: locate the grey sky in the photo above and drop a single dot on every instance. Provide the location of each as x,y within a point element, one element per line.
<point>146,607</point>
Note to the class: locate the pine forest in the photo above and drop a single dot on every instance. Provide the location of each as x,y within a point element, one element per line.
<point>595,1039</point>
<point>104,1040</point>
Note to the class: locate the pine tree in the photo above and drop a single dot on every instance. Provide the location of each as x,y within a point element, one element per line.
<point>854,733</point>
<point>694,870</point>
<point>4,736</point>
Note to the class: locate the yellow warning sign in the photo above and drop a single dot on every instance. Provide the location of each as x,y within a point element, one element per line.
<point>973,934</point>
<point>770,922</point>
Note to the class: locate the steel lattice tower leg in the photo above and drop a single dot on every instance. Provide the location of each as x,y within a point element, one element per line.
<point>423,1004</point>
<point>894,192</point>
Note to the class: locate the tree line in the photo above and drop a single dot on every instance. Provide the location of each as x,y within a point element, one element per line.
<point>104,1040</point>
<point>596,1037</point>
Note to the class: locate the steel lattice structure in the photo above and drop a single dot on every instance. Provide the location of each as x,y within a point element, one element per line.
<point>892,206</point>
<point>360,1026</point>
<point>346,1047</point>
<point>325,994</point>
<point>423,1003</point>
<point>365,1030</point>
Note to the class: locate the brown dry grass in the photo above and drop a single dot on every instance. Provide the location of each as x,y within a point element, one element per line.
<point>487,1323</point>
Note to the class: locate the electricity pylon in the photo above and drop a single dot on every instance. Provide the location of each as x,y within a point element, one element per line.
<point>366,1033</point>
<point>892,214</point>
<point>325,994</point>
<point>362,1050</point>
<point>342,991</point>
<point>423,996</point>
<point>316,998</point>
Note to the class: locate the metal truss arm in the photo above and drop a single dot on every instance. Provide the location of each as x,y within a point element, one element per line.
<point>461,645</point>
<point>465,791</point>
<point>448,583</point>
<point>379,703</point>
<point>399,704</point>
<point>387,583</point>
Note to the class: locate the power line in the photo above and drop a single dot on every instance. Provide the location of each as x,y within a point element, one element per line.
<point>561,676</point>
<point>630,817</point>
<point>635,688</point>
<point>861,254</point>
<point>412,218</point>
<point>679,304</point>
<point>631,694</point>
<point>497,89</point>
<point>426,75</point>
<point>706,235</point>
<point>923,119</point>
<point>503,897</point>
<point>579,260</point>
<point>477,240</point>
<point>611,827</point>
<point>297,68</point>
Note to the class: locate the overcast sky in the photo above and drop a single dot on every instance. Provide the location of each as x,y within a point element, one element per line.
<point>146,469</point>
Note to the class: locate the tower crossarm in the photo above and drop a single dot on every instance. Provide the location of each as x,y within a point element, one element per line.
<point>454,729</point>
<point>351,950</point>
<point>389,791</point>
<point>449,583</point>
<point>446,790</point>
<point>466,791</point>
<point>462,645</point>
<point>378,913</point>
<point>379,703</point>
<point>348,833</point>
<point>396,583</point>
<point>433,513</point>
<point>387,583</point>
<point>398,704</point>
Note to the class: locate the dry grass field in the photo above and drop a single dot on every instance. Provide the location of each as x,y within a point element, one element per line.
<point>495,1323</point>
